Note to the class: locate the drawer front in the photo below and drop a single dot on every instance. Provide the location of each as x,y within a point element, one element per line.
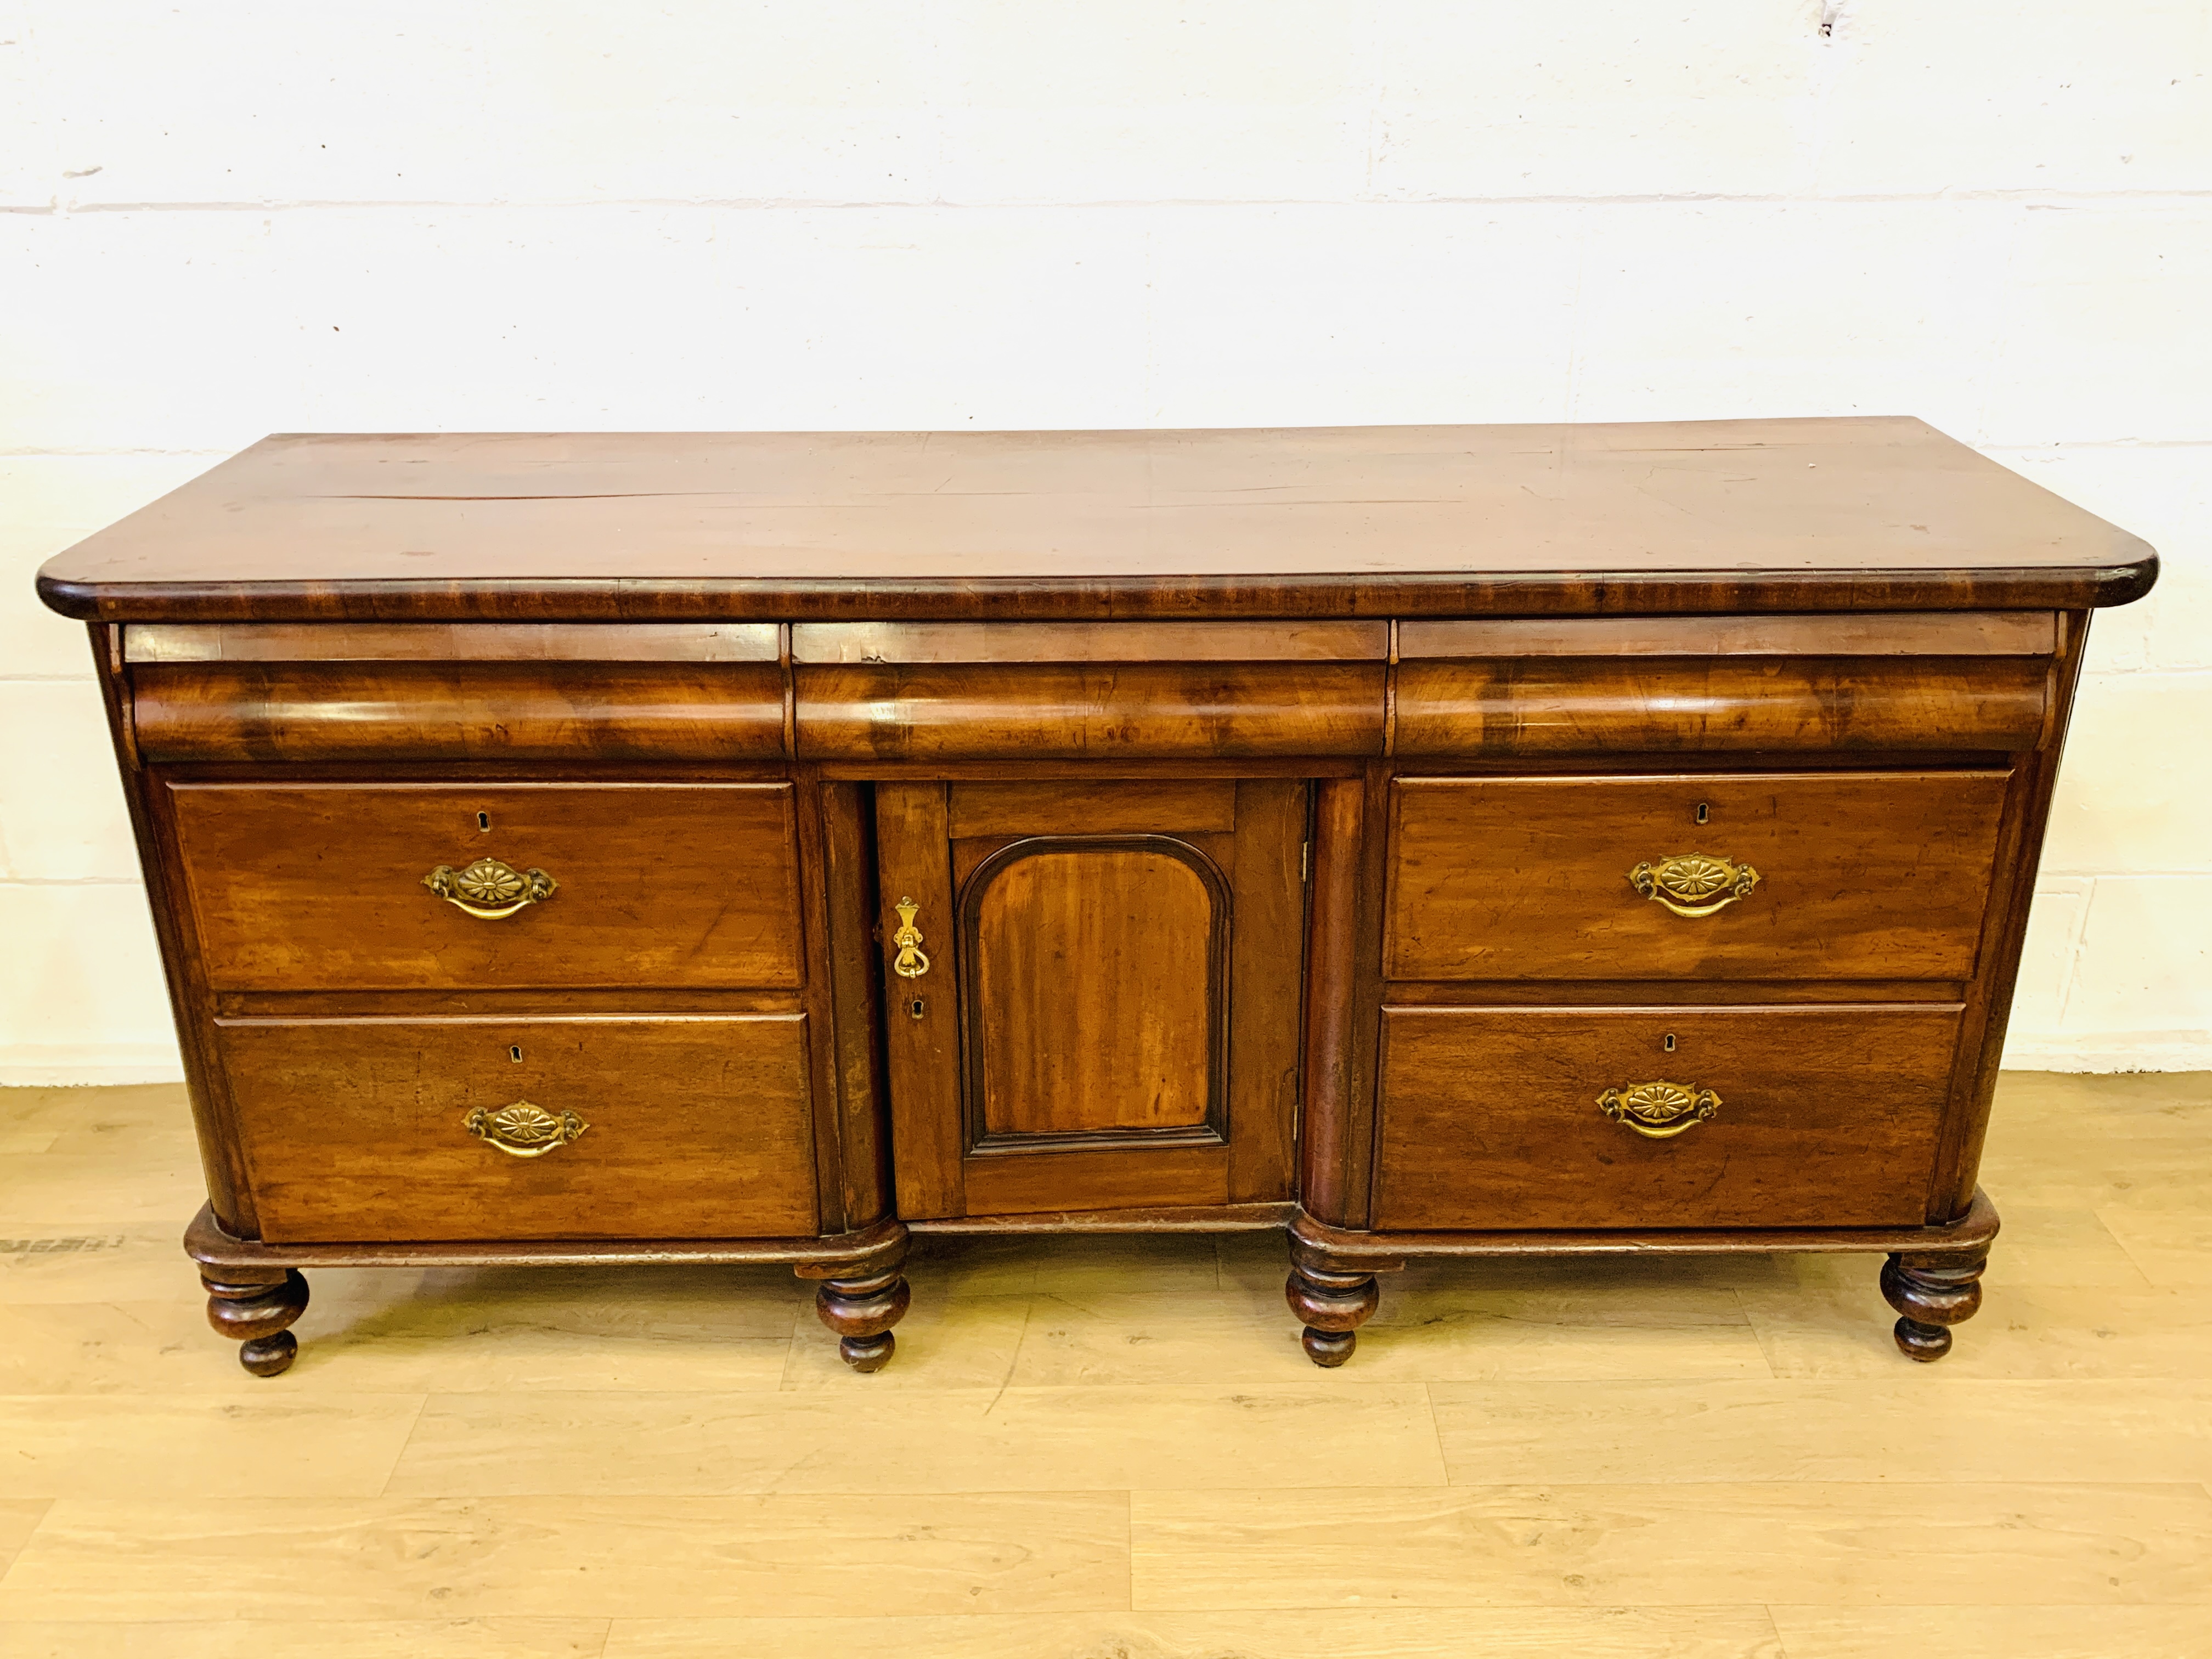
<point>1872,876</point>
<point>394,1130</point>
<point>1499,1118</point>
<point>321,886</point>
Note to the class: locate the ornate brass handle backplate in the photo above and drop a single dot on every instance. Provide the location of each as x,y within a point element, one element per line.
<point>489,889</point>
<point>523,1130</point>
<point>1694,883</point>
<point>1659,1111</point>
<point>910,963</point>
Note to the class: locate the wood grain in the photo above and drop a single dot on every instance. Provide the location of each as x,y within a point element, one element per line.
<point>1927,633</point>
<point>985,1440</point>
<point>319,886</point>
<point>579,1556</point>
<point>921,1043</point>
<point>1152,641</point>
<point>1828,1117</point>
<point>1090,806</point>
<point>700,1127</point>
<point>1101,714</point>
<point>1811,1543</point>
<point>1865,513</point>
<point>1548,706</point>
<point>404,711</point>
<point>433,642</point>
<point>1861,875</point>
<point>1715,1633</point>
<point>338,1445</point>
<point>1267,973</point>
<point>1863,1430</point>
<point>1100,981</point>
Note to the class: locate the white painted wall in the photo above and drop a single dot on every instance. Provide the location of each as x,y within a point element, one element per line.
<point>222,219</point>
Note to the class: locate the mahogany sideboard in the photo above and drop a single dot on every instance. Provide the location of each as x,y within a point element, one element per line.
<point>1437,841</point>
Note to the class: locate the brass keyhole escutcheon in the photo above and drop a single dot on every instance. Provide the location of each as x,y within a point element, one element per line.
<point>910,963</point>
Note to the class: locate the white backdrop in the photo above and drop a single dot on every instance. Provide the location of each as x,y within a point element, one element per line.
<point>224,220</point>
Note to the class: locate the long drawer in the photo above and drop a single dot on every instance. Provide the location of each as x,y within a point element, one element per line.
<point>323,886</point>
<point>1800,876</point>
<point>680,1127</point>
<point>1496,1118</point>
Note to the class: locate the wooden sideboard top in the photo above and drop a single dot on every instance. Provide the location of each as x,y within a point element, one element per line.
<point>1873,514</point>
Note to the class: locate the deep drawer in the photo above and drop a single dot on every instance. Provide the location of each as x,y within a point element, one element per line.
<point>320,886</point>
<point>684,1126</point>
<point>1859,876</point>
<point>1525,1118</point>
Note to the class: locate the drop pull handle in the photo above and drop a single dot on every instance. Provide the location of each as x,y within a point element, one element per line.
<point>910,963</point>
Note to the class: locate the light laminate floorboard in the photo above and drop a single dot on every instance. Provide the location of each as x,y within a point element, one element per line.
<point>1112,1447</point>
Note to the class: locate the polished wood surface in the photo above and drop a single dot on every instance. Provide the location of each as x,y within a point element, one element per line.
<point>1141,830</point>
<point>319,886</point>
<point>1151,641</point>
<point>402,712</point>
<point>1828,1117</point>
<point>1099,975</point>
<point>1094,713</point>
<point>1545,706</point>
<point>431,642</point>
<point>697,1126</point>
<point>1926,633</point>
<point>1078,806</point>
<point>1876,875</point>
<point>1111,1441</point>
<point>1853,513</point>
<point>1106,1009</point>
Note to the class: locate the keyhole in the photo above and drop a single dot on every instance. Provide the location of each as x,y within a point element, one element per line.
<point>484,819</point>
<point>1703,811</point>
<point>1670,1042</point>
<point>917,1008</point>
<point>515,1053</point>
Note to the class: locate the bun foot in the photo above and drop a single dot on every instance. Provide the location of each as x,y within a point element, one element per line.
<point>1333,1306</point>
<point>869,1353</point>
<point>1925,1343</point>
<point>270,1356</point>
<point>1329,1348</point>
<point>862,1312</point>
<point>254,1306</point>
<point>1931,1293</point>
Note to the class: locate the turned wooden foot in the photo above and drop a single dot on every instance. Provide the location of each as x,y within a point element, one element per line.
<point>862,1312</point>
<point>1932,1292</point>
<point>1332,1306</point>
<point>253,1306</point>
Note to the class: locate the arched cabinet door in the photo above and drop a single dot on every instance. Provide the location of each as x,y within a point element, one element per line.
<point>1093,992</point>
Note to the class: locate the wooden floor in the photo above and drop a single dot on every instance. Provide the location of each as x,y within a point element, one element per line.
<point>1112,1448</point>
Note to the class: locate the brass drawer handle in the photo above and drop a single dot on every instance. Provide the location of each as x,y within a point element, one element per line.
<point>523,1130</point>
<point>910,963</point>
<point>1659,1111</point>
<point>488,888</point>
<point>1694,883</point>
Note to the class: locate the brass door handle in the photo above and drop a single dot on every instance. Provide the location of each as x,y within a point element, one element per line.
<point>910,963</point>
<point>523,1130</point>
<point>488,888</point>
<point>1693,884</point>
<point>1659,1111</point>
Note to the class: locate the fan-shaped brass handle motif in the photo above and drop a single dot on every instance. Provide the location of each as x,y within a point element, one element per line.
<point>1694,883</point>
<point>1659,1111</point>
<point>523,1130</point>
<point>488,888</point>
<point>910,963</point>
